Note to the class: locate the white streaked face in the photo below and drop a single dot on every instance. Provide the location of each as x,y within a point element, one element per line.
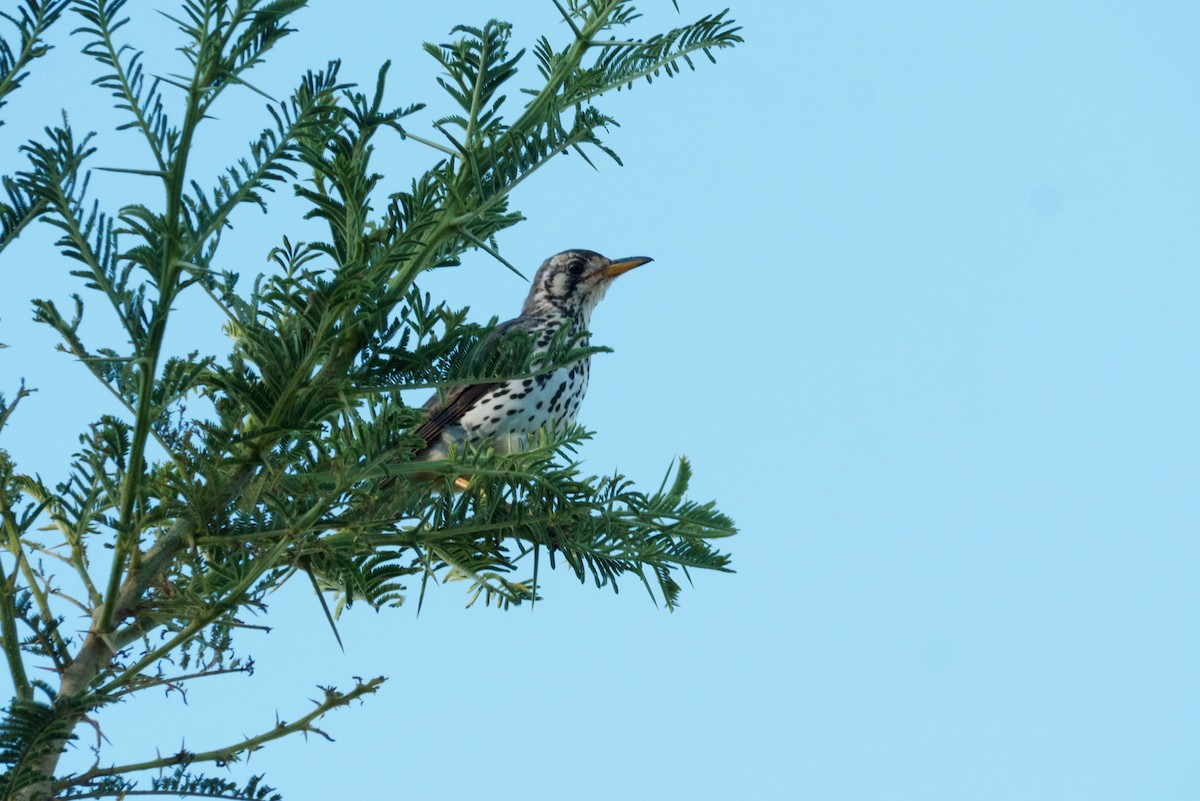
<point>572,281</point>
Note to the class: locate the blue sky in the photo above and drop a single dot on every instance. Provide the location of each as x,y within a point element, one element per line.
<point>923,316</point>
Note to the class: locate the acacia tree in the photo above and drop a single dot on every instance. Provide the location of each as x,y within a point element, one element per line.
<point>170,524</point>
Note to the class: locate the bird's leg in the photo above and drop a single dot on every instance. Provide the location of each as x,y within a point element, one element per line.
<point>552,536</point>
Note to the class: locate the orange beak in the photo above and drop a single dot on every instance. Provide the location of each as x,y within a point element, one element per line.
<point>619,266</point>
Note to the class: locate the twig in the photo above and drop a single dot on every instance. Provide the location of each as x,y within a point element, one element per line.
<point>231,753</point>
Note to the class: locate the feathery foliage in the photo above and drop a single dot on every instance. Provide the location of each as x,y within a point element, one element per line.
<point>32,20</point>
<point>172,525</point>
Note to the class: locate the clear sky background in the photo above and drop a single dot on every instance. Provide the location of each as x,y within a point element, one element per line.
<point>923,315</point>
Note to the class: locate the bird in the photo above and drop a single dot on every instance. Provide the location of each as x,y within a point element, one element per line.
<point>502,414</point>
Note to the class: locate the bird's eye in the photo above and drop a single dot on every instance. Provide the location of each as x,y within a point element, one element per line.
<point>575,267</point>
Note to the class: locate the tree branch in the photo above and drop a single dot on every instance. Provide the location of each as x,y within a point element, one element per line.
<point>232,753</point>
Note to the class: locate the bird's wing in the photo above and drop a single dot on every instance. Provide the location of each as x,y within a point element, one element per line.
<point>450,411</point>
<point>447,412</point>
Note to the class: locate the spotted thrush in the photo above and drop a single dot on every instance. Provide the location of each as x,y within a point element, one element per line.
<point>565,290</point>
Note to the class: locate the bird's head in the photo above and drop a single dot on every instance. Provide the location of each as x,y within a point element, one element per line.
<point>572,282</point>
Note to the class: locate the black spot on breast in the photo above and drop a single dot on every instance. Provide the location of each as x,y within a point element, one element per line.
<point>558,393</point>
<point>510,412</point>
